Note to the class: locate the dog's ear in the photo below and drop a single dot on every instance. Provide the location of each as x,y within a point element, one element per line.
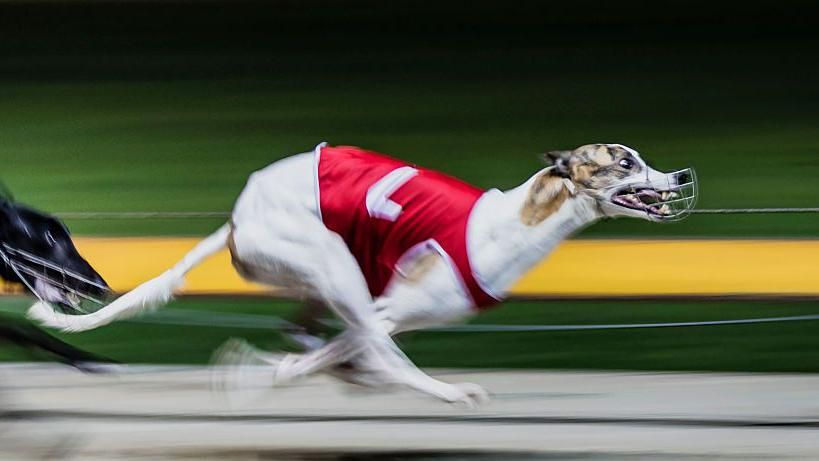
<point>560,160</point>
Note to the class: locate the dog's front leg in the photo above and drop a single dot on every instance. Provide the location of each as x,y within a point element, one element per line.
<point>386,360</point>
<point>373,360</point>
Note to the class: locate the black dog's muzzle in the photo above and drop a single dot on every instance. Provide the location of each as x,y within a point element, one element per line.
<point>36,251</point>
<point>53,283</point>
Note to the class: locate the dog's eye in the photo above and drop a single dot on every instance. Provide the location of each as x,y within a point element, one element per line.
<point>627,163</point>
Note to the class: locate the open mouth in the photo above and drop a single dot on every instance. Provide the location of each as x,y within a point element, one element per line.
<point>658,203</point>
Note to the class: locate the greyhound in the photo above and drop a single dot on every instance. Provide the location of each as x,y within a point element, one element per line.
<point>37,253</point>
<point>391,247</point>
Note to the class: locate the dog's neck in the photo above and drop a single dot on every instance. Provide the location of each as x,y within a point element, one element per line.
<point>511,231</point>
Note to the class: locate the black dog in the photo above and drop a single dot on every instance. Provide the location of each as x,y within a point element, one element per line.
<point>36,252</point>
<point>26,335</point>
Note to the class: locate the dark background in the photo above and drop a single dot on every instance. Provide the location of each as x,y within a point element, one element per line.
<point>169,105</point>
<point>206,39</point>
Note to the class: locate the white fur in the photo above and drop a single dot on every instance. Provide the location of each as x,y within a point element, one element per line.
<point>278,238</point>
<point>146,297</point>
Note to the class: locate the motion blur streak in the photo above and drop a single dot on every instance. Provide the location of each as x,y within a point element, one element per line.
<point>163,108</point>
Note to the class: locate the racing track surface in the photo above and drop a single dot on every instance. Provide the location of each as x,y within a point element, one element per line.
<point>142,413</point>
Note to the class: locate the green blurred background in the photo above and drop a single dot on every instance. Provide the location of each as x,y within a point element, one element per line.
<point>168,106</point>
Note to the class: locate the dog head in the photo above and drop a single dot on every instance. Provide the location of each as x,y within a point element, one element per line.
<point>623,184</point>
<point>36,251</point>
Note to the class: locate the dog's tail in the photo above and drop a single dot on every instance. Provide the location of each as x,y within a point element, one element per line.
<point>150,295</point>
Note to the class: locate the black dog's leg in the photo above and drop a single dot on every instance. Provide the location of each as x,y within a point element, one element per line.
<point>27,335</point>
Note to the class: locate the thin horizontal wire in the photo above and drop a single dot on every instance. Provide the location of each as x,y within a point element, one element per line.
<point>754,210</point>
<point>184,317</point>
<point>477,328</point>
<point>251,321</point>
<point>226,215</point>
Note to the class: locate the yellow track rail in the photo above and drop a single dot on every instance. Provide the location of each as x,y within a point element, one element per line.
<point>577,268</point>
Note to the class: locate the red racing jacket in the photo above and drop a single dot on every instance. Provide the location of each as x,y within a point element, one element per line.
<point>384,209</point>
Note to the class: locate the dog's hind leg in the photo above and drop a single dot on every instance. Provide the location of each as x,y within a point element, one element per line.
<point>364,361</point>
<point>296,251</point>
<point>300,250</point>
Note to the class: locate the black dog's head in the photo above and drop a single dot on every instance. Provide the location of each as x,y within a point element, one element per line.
<point>36,250</point>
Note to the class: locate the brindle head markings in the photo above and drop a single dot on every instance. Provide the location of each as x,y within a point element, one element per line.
<point>593,166</point>
<point>622,184</point>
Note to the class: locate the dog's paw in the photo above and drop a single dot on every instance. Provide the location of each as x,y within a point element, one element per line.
<point>239,373</point>
<point>468,395</point>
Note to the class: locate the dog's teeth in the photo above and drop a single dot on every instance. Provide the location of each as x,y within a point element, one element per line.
<point>665,209</point>
<point>665,195</point>
<point>672,195</point>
